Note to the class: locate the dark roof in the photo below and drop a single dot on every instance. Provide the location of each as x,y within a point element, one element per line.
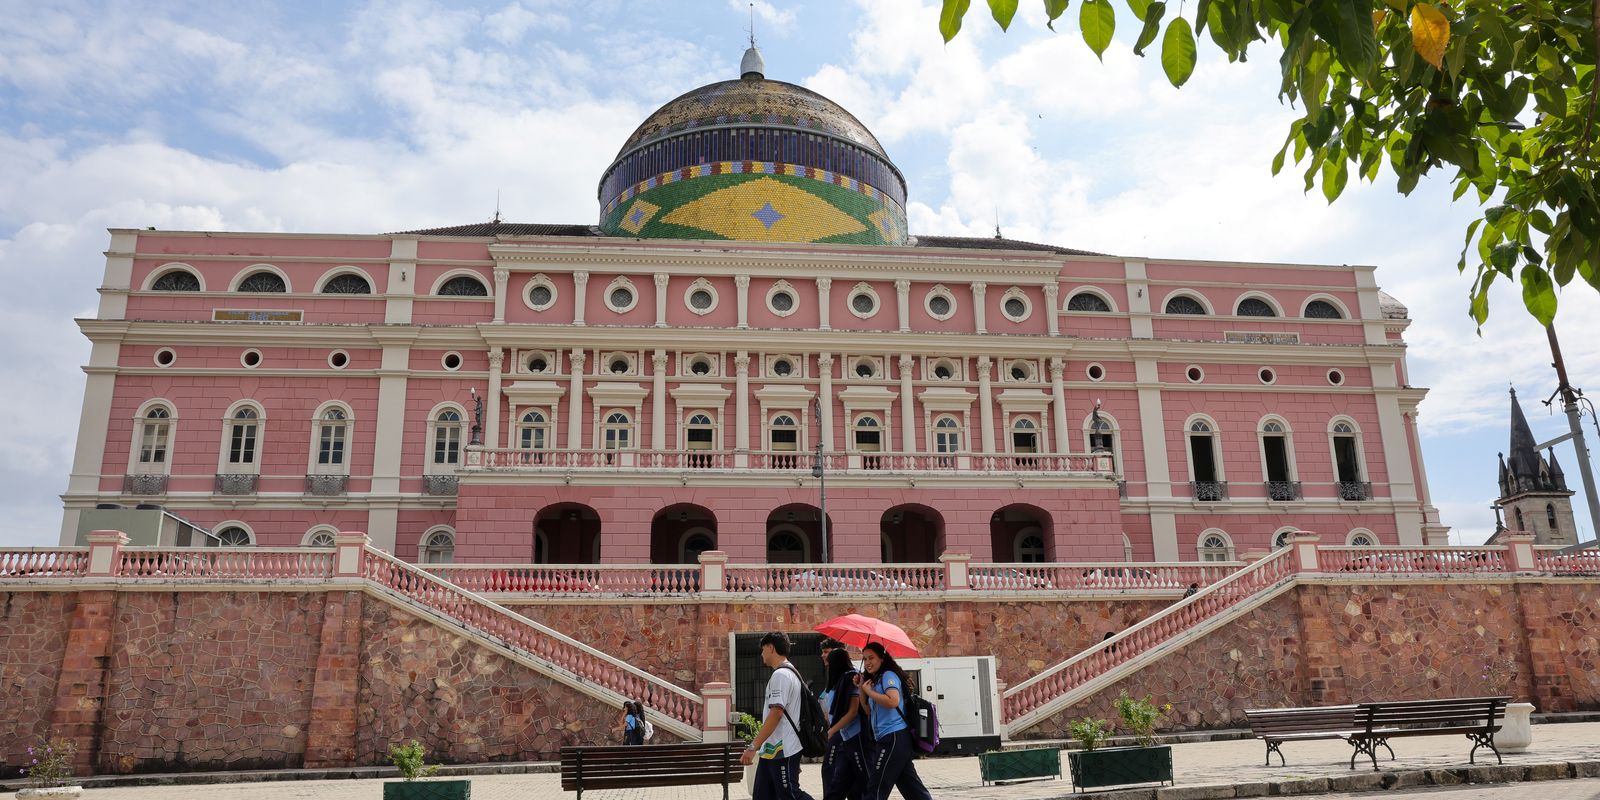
<point>538,229</point>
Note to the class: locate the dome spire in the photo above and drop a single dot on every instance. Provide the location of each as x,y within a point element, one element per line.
<point>751,67</point>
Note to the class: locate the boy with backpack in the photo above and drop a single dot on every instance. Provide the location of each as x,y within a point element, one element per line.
<point>778,745</point>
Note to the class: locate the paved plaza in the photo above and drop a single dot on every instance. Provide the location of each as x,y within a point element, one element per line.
<point>1196,764</point>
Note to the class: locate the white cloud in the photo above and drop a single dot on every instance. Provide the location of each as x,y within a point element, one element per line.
<point>774,21</point>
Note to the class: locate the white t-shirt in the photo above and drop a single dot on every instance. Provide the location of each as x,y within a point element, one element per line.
<point>783,689</point>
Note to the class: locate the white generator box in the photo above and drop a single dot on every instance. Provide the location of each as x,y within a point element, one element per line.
<point>963,688</point>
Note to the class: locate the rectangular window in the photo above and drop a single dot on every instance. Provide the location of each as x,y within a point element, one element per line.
<point>242,443</point>
<point>446,444</point>
<point>1344,454</point>
<point>330,447</point>
<point>153,444</point>
<point>1277,453</point>
<point>1205,464</point>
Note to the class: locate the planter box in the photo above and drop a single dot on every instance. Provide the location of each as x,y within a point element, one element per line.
<point>427,790</point>
<point>1019,765</point>
<point>1119,766</point>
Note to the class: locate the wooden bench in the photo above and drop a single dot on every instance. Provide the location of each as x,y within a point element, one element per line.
<point>648,766</point>
<point>1476,717</point>
<point>1278,725</point>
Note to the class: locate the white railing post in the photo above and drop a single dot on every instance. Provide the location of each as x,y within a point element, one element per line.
<point>347,549</point>
<point>1305,551</point>
<point>955,571</point>
<point>718,722</point>
<point>713,571</point>
<point>1519,551</point>
<point>105,552</point>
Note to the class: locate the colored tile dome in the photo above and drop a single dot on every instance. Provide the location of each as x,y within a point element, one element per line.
<point>754,159</point>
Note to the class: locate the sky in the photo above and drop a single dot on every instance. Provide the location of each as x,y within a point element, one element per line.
<point>366,118</point>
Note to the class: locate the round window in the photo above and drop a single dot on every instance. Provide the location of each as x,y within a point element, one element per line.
<point>1267,375</point>
<point>1096,372</point>
<point>451,361</point>
<point>782,367</point>
<point>619,366</point>
<point>538,364</point>
<point>621,297</point>
<point>540,296</point>
<point>783,302</point>
<point>700,367</point>
<point>943,372</point>
<point>338,359</point>
<point>1015,308</point>
<point>251,358</point>
<point>1195,374</point>
<point>939,305</point>
<point>165,357</point>
<point>864,369</point>
<point>1019,372</point>
<point>699,299</point>
<point>863,303</point>
<point>1335,377</point>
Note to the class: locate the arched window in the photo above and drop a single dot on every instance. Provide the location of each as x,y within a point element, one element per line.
<point>1278,462</point>
<point>178,280</point>
<point>438,547</point>
<point>700,438</point>
<point>1521,525</point>
<point>243,430</point>
<point>783,438</point>
<point>347,283</point>
<point>1550,517</point>
<point>1322,309</point>
<point>447,438</point>
<point>1215,546</point>
<point>461,286</point>
<point>946,439</point>
<point>333,431</point>
<point>1029,547</point>
<point>1103,438</point>
<point>1127,548</point>
<point>533,433</point>
<point>787,547</point>
<point>1360,537</point>
<point>694,544</point>
<point>155,439</point>
<point>263,282</point>
<point>1088,301</point>
<point>1281,538</point>
<point>1184,304</point>
<point>318,537</point>
<point>1206,480</point>
<point>616,433</point>
<point>1255,307</point>
<point>234,536</point>
<point>1346,445</point>
<point>868,434</point>
<point>1024,435</point>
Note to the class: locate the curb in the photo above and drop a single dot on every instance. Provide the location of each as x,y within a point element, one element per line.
<point>268,775</point>
<point>1358,782</point>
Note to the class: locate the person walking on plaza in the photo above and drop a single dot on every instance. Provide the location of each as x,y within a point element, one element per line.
<point>632,723</point>
<point>775,750</point>
<point>844,767</point>
<point>882,693</point>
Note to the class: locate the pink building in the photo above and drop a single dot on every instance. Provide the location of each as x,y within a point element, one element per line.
<point>662,383</point>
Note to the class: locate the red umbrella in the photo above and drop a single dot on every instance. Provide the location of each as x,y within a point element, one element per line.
<point>856,630</point>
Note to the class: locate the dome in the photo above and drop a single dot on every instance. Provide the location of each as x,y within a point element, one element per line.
<point>754,159</point>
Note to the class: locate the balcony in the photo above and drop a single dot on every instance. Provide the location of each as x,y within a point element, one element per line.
<point>1208,491</point>
<point>789,461</point>
<point>440,485</point>
<point>237,484</point>
<point>1282,491</point>
<point>144,484</point>
<point>327,485</point>
<point>1355,491</point>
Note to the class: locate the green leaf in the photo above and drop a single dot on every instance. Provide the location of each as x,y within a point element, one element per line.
<point>1177,52</point>
<point>1480,300</point>
<point>1539,294</point>
<point>1053,9</point>
<point>1152,26</point>
<point>950,18</point>
<point>1139,8</point>
<point>1099,21</point>
<point>1358,44</point>
<point>1334,174</point>
<point>1504,256</point>
<point>1202,15</point>
<point>1003,11</point>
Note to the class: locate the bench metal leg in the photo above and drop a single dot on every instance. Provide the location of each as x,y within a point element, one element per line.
<point>1387,747</point>
<point>1483,740</point>
<point>1273,747</point>
<point>1370,748</point>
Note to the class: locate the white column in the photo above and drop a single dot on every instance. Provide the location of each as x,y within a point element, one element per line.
<point>397,295</point>
<point>1052,293</point>
<point>825,394</point>
<point>742,282</point>
<point>824,285</point>
<point>117,280</point>
<point>902,297</point>
<point>908,401</point>
<point>1059,388</point>
<point>662,279</point>
<point>1142,325</point>
<point>502,278</point>
<point>741,403</point>
<point>575,402</point>
<point>491,433</point>
<point>658,401</point>
<point>580,294</point>
<point>978,316</point>
<point>94,424</point>
<point>383,515</point>
<point>985,397</point>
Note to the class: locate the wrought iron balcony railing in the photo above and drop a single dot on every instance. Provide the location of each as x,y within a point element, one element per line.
<point>144,484</point>
<point>327,485</point>
<point>237,483</point>
<point>1284,490</point>
<point>440,485</point>
<point>1355,490</point>
<point>1209,491</point>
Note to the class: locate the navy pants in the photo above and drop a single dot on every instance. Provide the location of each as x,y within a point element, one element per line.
<point>779,779</point>
<point>892,769</point>
<point>844,770</point>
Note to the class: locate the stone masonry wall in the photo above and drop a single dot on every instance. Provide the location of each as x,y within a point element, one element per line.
<point>33,639</point>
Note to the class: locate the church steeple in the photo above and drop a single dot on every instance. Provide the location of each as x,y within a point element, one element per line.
<point>1533,489</point>
<point>1524,457</point>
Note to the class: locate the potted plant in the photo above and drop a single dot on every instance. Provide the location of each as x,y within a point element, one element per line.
<point>410,760</point>
<point>1144,762</point>
<point>997,766</point>
<point>1516,731</point>
<point>49,769</point>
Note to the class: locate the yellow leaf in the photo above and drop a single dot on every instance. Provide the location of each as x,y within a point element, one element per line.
<point>1430,32</point>
<point>1377,18</point>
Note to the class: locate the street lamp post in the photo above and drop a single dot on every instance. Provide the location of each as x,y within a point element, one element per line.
<point>821,475</point>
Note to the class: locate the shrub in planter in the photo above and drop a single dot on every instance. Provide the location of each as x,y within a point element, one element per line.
<point>49,769</point>
<point>1145,762</point>
<point>410,759</point>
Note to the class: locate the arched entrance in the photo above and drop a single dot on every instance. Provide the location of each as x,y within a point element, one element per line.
<point>566,533</point>
<point>680,533</point>
<point>794,534</point>
<point>911,534</point>
<point>1022,533</point>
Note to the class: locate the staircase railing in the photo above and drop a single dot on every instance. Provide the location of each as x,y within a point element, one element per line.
<point>1030,696</point>
<point>582,661</point>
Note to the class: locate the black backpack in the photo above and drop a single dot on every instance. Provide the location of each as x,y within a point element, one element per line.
<point>813,727</point>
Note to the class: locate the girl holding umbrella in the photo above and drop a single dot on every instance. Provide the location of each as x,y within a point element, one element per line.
<point>881,702</point>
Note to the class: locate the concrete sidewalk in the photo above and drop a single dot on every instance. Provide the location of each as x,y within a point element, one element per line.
<point>1231,768</point>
